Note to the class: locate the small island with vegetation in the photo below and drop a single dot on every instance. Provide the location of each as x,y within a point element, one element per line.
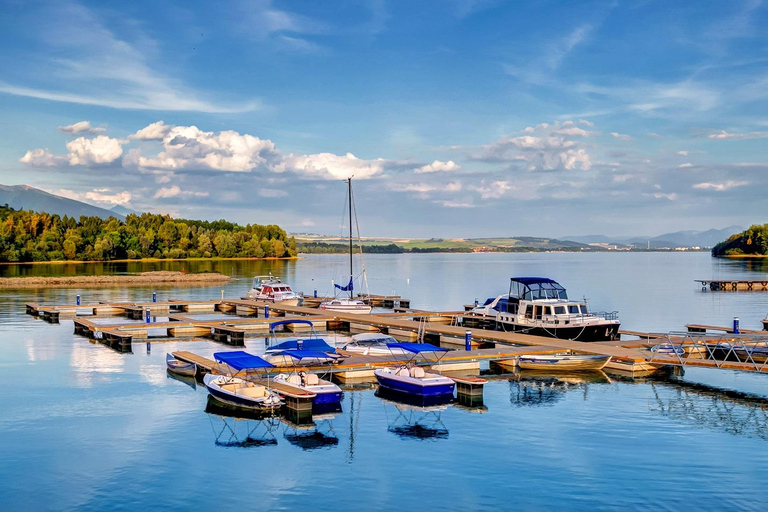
<point>752,242</point>
<point>33,236</point>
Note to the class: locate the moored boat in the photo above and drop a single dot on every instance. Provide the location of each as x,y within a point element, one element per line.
<point>237,391</point>
<point>373,344</point>
<point>278,351</point>
<point>540,306</point>
<point>413,380</point>
<point>326,392</point>
<point>563,362</point>
<point>271,289</point>
<point>180,367</point>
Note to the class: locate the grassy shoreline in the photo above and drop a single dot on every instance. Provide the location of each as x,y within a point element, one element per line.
<point>140,279</point>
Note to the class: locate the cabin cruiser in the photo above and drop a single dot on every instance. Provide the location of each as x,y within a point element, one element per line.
<point>540,306</point>
<point>271,289</point>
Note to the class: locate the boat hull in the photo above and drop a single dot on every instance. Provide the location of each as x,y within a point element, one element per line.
<point>359,310</point>
<point>587,333</point>
<point>286,302</point>
<point>564,363</point>
<point>180,367</point>
<point>234,399</point>
<point>411,386</point>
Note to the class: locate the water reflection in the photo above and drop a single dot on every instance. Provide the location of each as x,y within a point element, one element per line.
<point>315,435</point>
<point>413,421</point>
<point>711,408</point>
<point>189,381</point>
<point>241,429</point>
<point>537,389</point>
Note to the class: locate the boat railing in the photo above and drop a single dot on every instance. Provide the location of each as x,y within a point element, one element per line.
<point>607,315</point>
<point>570,319</point>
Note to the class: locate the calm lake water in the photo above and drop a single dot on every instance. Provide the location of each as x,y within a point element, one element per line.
<point>83,427</point>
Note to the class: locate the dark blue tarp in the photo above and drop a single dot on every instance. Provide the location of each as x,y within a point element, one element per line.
<point>417,348</point>
<point>241,360</point>
<point>304,354</point>
<point>533,280</point>
<point>316,344</point>
<point>347,288</point>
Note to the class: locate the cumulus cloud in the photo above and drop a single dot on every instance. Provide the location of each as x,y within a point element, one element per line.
<point>669,197</point>
<point>586,123</point>
<point>438,166</point>
<point>330,166</point>
<point>724,135</point>
<point>41,158</point>
<point>155,131</point>
<point>682,153</point>
<point>573,131</point>
<point>99,150</point>
<point>720,187</point>
<point>492,190</point>
<point>685,165</point>
<point>82,127</point>
<point>175,191</point>
<point>620,136</point>
<point>99,195</point>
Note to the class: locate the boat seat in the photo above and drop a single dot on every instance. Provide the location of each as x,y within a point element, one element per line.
<point>417,372</point>
<point>253,392</point>
<point>312,379</point>
<point>403,372</point>
<point>294,379</point>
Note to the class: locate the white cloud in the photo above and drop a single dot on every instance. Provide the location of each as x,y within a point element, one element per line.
<point>41,158</point>
<point>653,135</point>
<point>99,150</point>
<point>493,190</point>
<point>154,131</point>
<point>720,187</point>
<point>724,135</point>
<point>586,123</point>
<point>438,166</point>
<point>330,166</point>
<point>175,191</point>
<point>82,127</point>
<point>189,148</point>
<point>99,195</point>
<point>620,136</point>
<point>573,131</point>
<point>454,204</point>
<point>682,153</point>
<point>669,197</point>
<point>685,165</point>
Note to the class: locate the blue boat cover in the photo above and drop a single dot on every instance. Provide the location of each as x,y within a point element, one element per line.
<point>241,360</point>
<point>285,322</point>
<point>316,344</point>
<point>417,348</point>
<point>304,354</point>
<point>533,280</point>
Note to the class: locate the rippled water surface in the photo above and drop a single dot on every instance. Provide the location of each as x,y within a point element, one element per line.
<point>84,427</point>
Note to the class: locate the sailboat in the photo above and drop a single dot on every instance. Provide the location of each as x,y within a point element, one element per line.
<point>347,304</point>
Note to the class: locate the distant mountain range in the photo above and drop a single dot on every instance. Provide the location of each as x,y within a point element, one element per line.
<point>24,197</point>
<point>708,238</point>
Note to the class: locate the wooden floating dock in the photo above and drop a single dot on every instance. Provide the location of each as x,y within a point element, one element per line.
<point>733,285</point>
<point>715,328</point>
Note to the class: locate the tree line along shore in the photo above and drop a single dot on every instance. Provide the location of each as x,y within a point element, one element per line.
<point>139,279</point>
<point>27,236</point>
<point>752,242</point>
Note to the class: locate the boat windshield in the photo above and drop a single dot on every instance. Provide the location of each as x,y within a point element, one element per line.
<point>531,288</point>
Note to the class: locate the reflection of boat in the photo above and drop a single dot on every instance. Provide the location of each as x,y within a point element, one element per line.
<point>563,362</point>
<point>271,289</point>
<point>240,392</point>
<point>180,367</point>
<point>373,344</point>
<point>314,435</point>
<point>413,380</point>
<point>244,429</point>
<point>189,381</point>
<point>540,306</point>
<point>536,389</point>
<point>347,304</point>
<point>413,421</point>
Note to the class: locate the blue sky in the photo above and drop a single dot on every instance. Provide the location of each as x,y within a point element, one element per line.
<point>457,118</point>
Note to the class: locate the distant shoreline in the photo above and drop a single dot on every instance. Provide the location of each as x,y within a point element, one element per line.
<point>143,260</point>
<point>142,278</point>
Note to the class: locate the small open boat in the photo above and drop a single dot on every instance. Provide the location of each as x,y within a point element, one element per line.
<point>237,391</point>
<point>278,353</point>
<point>668,348</point>
<point>560,362</point>
<point>326,392</point>
<point>413,380</point>
<point>180,367</point>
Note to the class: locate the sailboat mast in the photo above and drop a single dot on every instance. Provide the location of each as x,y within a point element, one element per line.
<point>351,274</point>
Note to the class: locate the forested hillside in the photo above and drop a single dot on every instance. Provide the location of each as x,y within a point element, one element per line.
<point>753,241</point>
<point>32,236</point>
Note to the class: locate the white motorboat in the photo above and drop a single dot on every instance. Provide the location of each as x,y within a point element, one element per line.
<point>412,380</point>
<point>326,392</point>
<point>373,344</point>
<point>347,304</point>
<point>271,289</point>
<point>540,306</point>
<point>237,391</point>
<point>563,362</point>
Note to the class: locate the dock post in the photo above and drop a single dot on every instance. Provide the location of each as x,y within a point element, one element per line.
<point>266,311</point>
<point>735,325</point>
<point>148,315</point>
<point>468,340</point>
<point>154,296</point>
<point>78,300</point>
<point>315,294</point>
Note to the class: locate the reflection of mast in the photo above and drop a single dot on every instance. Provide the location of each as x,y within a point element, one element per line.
<point>354,423</point>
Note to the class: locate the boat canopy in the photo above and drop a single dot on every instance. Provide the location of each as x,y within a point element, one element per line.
<point>241,360</point>
<point>530,288</point>
<point>306,354</point>
<point>315,344</point>
<point>417,348</point>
